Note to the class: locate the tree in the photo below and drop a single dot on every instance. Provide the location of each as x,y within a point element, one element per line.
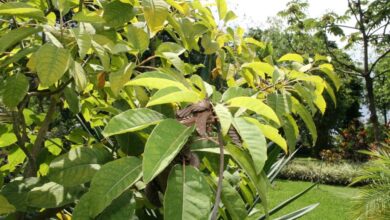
<point>102,118</point>
<point>370,31</point>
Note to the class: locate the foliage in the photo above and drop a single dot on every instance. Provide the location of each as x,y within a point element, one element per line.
<point>373,200</point>
<point>104,116</point>
<point>371,19</point>
<point>337,173</point>
<point>352,139</point>
<point>348,97</point>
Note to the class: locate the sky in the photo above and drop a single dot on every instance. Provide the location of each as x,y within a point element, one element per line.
<point>254,13</point>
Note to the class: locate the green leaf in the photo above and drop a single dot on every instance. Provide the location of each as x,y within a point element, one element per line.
<point>329,71</point>
<point>119,78</point>
<point>7,139</point>
<point>169,47</point>
<point>254,140</point>
<point>102,54</point>
<point>291,57</point>
<point>331,93</point>
<point>162,146</point>
<point>83,39</point>
<point>20,9</point>
<point>155,13</point>
<point>15,36</point>
<point>224,117</point>
<point>5,206</point>
<point>132,120</point>
<point>52,146</point>
<point>51,64</point>
<point>79,76</point>
<point>137,38</point>
<point>260,68</point>
<point>15,89</point>
<point>111,181</point>
<point>307,119</point>
<point>19,55</point>
<point>121,208</point>
<point>273,134</point>
<point>222,9</point>
<point>72,100</point>
<point>171,95</point>
<point>88,17</point>
<point>255,105</point>
<point>116,13</point>
<point>291,131</point>
<point>187,196</point>
<point>246,163</point>
<point>233,202</point>
<point>16,192</point>
<point>52,195</point>
<point>233,92</point>
<point>280,103</point>
<point>209,45</point>
<point>77,166</point>
<point>156,80</point>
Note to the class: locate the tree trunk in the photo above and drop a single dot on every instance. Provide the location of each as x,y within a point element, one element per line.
<point>372,107</point>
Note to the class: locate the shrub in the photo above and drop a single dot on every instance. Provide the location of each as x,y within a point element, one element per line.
<point>314,170</point>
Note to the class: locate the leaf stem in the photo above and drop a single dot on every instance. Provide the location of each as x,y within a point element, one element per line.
<point>220,176</point>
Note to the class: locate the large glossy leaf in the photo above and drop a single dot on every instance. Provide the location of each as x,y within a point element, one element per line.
<point>291,57</point>
<point>111,181</point>
<point>187,196</point>
<point>273,134</point>
<point>79,75</point>
<point>20,9</point>
<point>15,36</point>
<point>224,117</point>
<point>169,47</point>
<point>51,195</point>
<point>156,80</point>
<point>132,120</point>
<point>280,103</point>
<point>233,202</point>
<point>233,92</point>
<point>155,12</point>
<point>51,64</point>
<point>222,9</point>
<point>254,140</point>
<point>307,118</point>
<point>255,105</point>
<point>5,206</point>
<point>119,78</point>
<point>89,17</point>
<point>162,146</point>
<point>291,131</point>
<point>137,38</point>
<point>77,166</point>
<point>121,208</point>
<point>83,39</point>
<point>15,89</point>
<point>260,68</point>
<point>329,71</point>
<point>245,161</point>
<point>171,95</point>
<point>117,13</point>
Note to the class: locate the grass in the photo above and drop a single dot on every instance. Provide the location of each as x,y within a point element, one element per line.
<point>335,202</point>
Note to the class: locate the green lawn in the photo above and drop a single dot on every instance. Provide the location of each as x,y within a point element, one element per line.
<point>335,202</point>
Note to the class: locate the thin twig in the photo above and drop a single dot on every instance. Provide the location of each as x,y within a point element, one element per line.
<point>49,92</point>
<point>146,60</point>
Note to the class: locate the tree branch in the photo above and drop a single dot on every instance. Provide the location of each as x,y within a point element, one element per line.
<point>51,92</point>
<point>349,66</point>
<point>42,133</point>
<point>381,73</point>
<point>377,60</point>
